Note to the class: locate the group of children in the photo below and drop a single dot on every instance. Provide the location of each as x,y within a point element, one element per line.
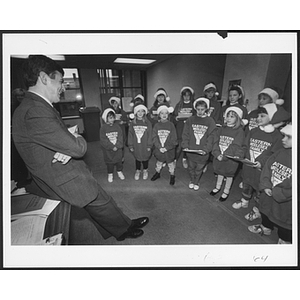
<point>203,130</point>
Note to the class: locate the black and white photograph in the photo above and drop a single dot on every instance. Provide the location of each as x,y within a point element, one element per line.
<point>150,149</point>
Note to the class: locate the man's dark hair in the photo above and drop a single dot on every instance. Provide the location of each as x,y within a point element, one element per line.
<point>37,63</point>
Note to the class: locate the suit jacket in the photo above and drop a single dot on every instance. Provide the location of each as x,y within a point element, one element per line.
<point>39,132</point>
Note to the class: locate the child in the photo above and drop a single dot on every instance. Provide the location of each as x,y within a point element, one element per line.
<point>266,96</point>
<point>161,98</point>
<point>260,143</point>
<point>140,140</point>
<point>183,110</point>
<point>164,140</point>
<point>121,117</point>
<point>235,98</point>
<point>137,100</point>
<point>229,140</point>
<point>210,92</point>
<point>111,139</point>
<point>276,199</point>
<point>198,135</point>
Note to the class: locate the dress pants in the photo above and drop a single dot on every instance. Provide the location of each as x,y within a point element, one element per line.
<point>110,219</point>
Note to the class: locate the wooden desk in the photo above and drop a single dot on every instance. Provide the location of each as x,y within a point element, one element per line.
<point>57,222</point>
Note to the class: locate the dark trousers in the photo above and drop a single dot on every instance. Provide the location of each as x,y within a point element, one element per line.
<point>110,219</point>
<point>283,233</point>
<point>195,170</point>
<point>110,167</point>
<point>248,191</point>
<point>138,164</point>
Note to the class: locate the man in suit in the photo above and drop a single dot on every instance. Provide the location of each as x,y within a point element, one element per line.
<point>53,155</point>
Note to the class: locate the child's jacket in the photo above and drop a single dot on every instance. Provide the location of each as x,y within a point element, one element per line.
<point>259,146</point>
<point>140,138</point>
<point>110,137</point>
<point>198,135</point>
<point>277,176</point>
<point>228,141</point>
<point>164,136</point>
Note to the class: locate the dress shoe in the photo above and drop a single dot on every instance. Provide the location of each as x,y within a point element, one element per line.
<point>155,176</point>
<point>223,197</point>
<point>214,191</point>
<point>132,233</point>
<point>139,223</point>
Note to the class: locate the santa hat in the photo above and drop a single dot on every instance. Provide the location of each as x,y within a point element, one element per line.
<point>210,85</point>
<point>140,106</point>
<point>287,129</point>
<point>274,115</point>
<point>111,99</point>
<point>105,113</point>
<point>161,91</point>
<point>273,94</point>
<point>271,109</point>
<point>240,88</point>
<point>138,99</point>
<point>164,107</point>
<point>201,99</point>
<point>238,111</point>
<point>187,88</point>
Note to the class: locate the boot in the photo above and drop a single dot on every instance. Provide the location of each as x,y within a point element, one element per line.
<point>172,179</point>
<point>155,176</point>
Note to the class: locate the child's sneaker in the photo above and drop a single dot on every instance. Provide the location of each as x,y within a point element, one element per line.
<point>121,175</point>
<point>110,178</point>
<point>184,163</point>
<point>137,174</point>
<point>191,185</point>
<point>253,214</point>
<point>260,229</point>
<point>145,174</point>
<point>240,204</point>
<point>196,187</point>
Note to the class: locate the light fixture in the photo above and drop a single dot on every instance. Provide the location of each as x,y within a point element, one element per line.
<point>52,56</point>
<point>134,61</point>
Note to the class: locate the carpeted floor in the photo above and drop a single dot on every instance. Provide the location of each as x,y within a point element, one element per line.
<point>178,215</point>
